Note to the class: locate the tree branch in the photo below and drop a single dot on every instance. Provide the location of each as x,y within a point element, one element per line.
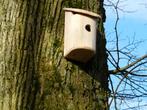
<point>127,66</point>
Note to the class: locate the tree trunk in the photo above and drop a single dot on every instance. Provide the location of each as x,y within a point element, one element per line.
<point>33,72</point>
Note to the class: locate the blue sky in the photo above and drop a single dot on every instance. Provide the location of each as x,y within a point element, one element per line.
<point>132,25</point>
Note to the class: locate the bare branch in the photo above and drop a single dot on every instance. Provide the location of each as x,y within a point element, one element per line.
<point>132,77</point>
<point>128,66</point>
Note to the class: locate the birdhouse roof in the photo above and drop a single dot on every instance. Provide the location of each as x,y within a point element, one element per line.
<point>81,11</point>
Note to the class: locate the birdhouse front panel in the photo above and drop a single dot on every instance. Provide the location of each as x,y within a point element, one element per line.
<point>79,35</point>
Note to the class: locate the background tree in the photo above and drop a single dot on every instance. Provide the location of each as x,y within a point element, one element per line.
<point>128,77</point>
<point>33,73</point>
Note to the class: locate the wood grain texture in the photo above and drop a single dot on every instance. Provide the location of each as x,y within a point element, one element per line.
<point>33,73</point>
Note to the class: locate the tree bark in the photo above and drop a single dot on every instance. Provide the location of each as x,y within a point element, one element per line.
<point>33,72</point>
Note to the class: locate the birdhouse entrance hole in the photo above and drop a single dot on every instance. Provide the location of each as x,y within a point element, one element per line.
<point>88,27</point>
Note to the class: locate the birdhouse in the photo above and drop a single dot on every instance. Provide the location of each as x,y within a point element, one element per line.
<point>80,34</point>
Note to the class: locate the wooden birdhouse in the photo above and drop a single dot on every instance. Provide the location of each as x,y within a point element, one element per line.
<point>80,34</point>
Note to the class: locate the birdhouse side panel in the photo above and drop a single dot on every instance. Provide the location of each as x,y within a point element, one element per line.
<point>73,32</point>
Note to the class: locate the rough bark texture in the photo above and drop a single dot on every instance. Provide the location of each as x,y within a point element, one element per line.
<point>33,72</point>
